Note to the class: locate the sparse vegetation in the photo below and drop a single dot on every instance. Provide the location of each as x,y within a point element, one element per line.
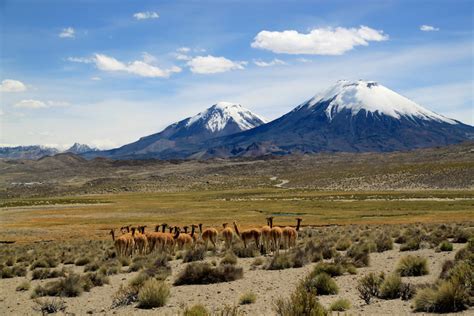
<point>301,302</point>
<point>204,273</point>
<point>49,306</point>
<point>369,286</point>
<point>322,283</point>
<point>152,294</point>
<point>412,266</point>
<point>247,298</point>
<point>340,305</point>
<point>195,254</point>
<point>391,287</point>
<point>196,310</point>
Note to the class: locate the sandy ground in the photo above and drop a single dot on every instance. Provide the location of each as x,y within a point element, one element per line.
<point>267,285</point>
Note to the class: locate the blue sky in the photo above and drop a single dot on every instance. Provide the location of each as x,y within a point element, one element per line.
<point>108,72</point>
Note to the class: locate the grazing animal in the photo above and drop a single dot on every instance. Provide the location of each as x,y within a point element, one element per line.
<point>123,244</point>
<point>290,235</point>
<point>184,240</point>
<point>209,234</point>
<point>141,241</point>
<point>248,235</point>
<point>275,236</point>
<point>169,238</point>
<point>118,243</point>
<point>266,236</point>
<point>228,235</point>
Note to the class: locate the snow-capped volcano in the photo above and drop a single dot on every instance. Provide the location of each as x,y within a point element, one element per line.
<point>217,117</point>
<point>80,149</point>
<point>371,97</point>
<point>350,116</point>
<point>184,137</point>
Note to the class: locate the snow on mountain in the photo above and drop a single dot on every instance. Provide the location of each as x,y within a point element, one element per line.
<point>372,97</point>
<point>79,149</point>
<point>218,116</point>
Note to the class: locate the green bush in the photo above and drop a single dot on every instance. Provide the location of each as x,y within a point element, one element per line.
<point>196,310</point>
<point>340,305</point>
<point>229,258</point>
<point>205,273</point>
<point>248,298</point>
<point>383,243</point>
<point>195,254</point>
<point>82,261</point>
<point>153,293</point>
<point>301,302</point>
<point>343,244</point>
<point>328,268</point>
<point>23,286</point>
<point>390,287</point>
<point>412,266</point>
<point>447,297</point>
<point>322,283</point>
<point>369,286</point>
<point>445,246</point>
<point>410,245</point>
<point>69,286</point>
<point>359,254</point>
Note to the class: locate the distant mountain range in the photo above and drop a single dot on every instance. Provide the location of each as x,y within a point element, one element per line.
<point>37,151</point>
<point>350,116</point>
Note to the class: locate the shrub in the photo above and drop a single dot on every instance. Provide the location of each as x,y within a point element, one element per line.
<point>49,306</point>
<point>6,273</point>
<point>204,273</point>
<point>447,297</point>
<point>69,286</point>
<point>390,287</point>
<point>196,310</point>
<point>343,244</point>
<point>124,261</point>
<point>229,258</point>
<point>95,279</point>
<point>280,262</point>
<point>41,263</point>
<point>383,243</point>
<point>412,266</point>
<point>23,286</point>
<point>368,286</point>
<point>241,252</point>
<point>322,283</point>
<point>159,268</point>
<point>407,291</point>
<point>46,273</point>
<point>92,266</point>
<point>195,254</point>
<point>445,246</point>
<point>257,262</point>
<point>139,279</point>
<point>340,305</point>
<point>126,295</point>
<point>82,261</point>
<point>153,293</point>
<point>359,254</point>
<point>412,244</point>
<point>301,302</point>
<point>247,298</point>
<point>328,268</point>
<point>461,236</point>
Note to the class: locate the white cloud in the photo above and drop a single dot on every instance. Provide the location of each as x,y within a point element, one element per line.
<point>146,15</point>
<point>304,60</point>
<point>321,41</point>
<point>148,58</point>
<point>137,67</point>
<point>210,64</point>
<point>83,60</point>
<point>273,62</point>
<point>183,50</point>
<point>179,56</point>
<point>10,85</point>
<point>30,104</point>
<point>96,78</point>
<point>428,28</point>
<point>37,104</point>
<point>67,33</point>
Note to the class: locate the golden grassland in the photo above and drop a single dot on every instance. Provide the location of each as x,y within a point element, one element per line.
<point>27,220</point>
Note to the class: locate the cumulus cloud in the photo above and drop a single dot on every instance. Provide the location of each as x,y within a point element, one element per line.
<point>146,15</point>
<point>37,104</point>
<point>96,78</point>
<point>273,62</point>
<point>10,85</point>
<point>137,67</point>
<point>67,33</point>
<point>320,41</point>
<point>210,64</point>
<point>428,28</point>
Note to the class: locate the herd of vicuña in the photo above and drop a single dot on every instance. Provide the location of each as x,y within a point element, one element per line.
<point>165,238</point>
